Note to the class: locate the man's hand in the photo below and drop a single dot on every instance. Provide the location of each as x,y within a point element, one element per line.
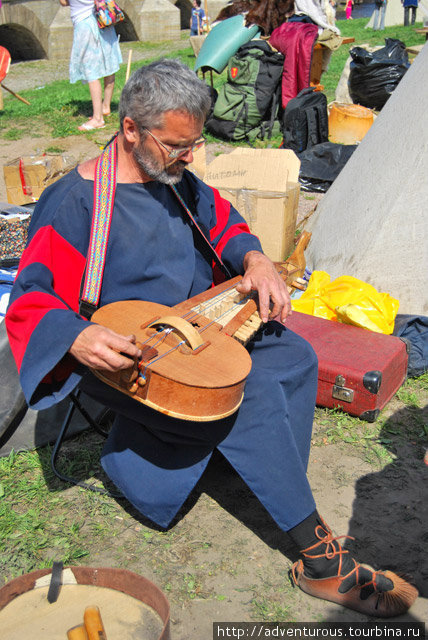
<point>261,276</point>
<point>100,348</point>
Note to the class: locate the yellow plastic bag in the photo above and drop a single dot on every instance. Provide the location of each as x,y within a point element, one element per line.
<point>348,300</point>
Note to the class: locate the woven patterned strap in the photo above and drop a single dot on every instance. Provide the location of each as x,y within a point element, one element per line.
<point>104,189</point>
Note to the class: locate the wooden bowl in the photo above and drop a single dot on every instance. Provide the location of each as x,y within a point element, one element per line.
<point>130,605</point>
<point>348,123</point>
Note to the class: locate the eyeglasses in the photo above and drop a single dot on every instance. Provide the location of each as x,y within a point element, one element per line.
<point>176,153</point>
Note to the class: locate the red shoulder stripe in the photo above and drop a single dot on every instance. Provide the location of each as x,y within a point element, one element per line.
<point>235,230</point>
<point>49,248</point>
<point>222,210</point>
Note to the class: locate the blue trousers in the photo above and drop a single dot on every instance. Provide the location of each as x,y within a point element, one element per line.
<point>379,17</point>
<point>156,460</point>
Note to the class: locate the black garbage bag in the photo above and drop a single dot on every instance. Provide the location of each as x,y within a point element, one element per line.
<point>321,164</point>
<point>374,76</point>
<point>414,331</point>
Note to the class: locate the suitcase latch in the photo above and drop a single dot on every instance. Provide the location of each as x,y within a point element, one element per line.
<point>340,392</point>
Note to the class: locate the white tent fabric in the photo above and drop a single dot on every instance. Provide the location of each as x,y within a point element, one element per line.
<point>373,223</point>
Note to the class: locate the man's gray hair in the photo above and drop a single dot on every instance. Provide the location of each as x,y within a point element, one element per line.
<point>164,85</point>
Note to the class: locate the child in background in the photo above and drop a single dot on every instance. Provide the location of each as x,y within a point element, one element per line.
<point>196,19</point>
<point>348,9</point>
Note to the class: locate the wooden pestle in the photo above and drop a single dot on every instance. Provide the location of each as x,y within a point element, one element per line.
<point>93,624</point>
<point>77,633</point>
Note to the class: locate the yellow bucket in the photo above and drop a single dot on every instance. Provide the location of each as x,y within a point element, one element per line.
<point>348,123</point>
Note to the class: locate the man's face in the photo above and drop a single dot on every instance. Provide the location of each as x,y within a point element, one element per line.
<point>179,130</point>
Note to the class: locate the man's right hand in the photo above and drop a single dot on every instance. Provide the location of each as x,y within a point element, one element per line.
<point>100,348</point>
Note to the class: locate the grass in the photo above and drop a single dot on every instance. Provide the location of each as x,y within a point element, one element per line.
<point>58,107</point>
<point>379,442</point>
<point>42,520</point>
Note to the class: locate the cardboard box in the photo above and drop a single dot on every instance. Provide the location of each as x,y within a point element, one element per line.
<point>199,164</point>
<point>26,177</point>
<point>262,184</point>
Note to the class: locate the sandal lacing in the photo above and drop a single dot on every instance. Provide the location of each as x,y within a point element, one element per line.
<point>374,582</point>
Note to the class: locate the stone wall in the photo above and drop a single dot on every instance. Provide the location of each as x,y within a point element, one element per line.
<point>42,28</point>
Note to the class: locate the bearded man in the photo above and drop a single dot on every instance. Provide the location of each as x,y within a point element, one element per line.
<point>155,253</point>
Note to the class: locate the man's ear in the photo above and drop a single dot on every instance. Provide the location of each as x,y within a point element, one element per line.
<point>130,130</point>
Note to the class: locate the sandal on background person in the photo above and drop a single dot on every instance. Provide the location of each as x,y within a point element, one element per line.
<point>90,126</point>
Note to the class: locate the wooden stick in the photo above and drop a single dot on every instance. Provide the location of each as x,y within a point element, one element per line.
<point>93,624</point>
<point>77,633</point>
<point>15,94</point>
<point>206,15</point>
<point>128,68</point>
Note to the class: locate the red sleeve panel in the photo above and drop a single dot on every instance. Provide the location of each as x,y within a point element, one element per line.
<point>36,291</point>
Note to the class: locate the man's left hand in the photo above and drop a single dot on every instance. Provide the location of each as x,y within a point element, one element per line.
<point>261,276</point>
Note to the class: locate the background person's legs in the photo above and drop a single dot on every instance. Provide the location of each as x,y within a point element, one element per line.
<point>108,94</point>
<point>406,16</point>
<point>382,17</point>
<point>97,119</point>
<point>376,18</point>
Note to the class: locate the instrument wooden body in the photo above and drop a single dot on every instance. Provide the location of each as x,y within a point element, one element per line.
<point>194,364</point>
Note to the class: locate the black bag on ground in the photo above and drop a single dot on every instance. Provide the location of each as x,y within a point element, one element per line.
<point>375,75</point>
<point>305,121</point>
<point>247,103</point>
<point>321,164</point>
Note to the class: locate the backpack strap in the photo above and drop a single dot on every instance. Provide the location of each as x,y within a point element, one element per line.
<point>313,129</point>
<point>322,122</point>
<point>273,112</point>
<point>104,190</point>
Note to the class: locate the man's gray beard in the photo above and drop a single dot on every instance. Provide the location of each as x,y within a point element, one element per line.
<point>155,171</point>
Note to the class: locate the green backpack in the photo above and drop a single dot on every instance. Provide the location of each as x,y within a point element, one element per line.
<point>247,104</point>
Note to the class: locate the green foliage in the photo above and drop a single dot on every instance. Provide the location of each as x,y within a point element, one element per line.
<point>54,149</point>
<point>32,524</point>
<point>379,442</point>
<point>13,134</point>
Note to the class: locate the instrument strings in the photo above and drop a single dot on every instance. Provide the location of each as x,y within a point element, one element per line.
<point>191,315</point>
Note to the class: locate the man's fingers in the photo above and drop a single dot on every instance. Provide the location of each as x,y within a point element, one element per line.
<point>100,348</point>
<point>124,345</point>
<point>106,359</point>
<point>244,286</point>
<point>264,303</point>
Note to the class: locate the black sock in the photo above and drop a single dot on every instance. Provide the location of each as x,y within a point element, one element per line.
<point>310,533</point>
<point>304,536</point>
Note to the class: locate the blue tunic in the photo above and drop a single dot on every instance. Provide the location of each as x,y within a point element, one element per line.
<point>152,255</point>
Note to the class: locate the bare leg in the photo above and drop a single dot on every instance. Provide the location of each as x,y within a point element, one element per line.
<point>108,93</point>
<point>96,97</point>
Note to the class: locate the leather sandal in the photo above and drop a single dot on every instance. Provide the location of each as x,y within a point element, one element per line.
<point>386,604</point>
<point>385,595</point>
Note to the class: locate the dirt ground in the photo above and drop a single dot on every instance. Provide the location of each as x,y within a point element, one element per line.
<point>235,558</point>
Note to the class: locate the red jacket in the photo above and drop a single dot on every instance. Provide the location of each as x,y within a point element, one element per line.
<point>295,40</point>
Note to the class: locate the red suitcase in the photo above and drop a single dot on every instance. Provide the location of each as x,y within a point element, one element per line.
<point>359,370</point>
